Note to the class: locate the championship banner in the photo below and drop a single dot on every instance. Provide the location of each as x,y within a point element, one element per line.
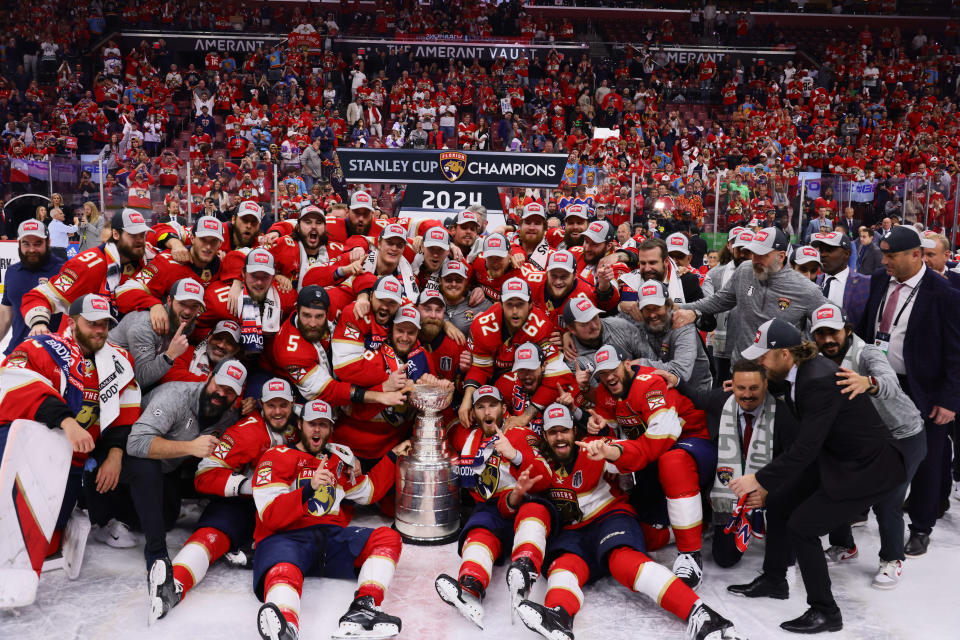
<point>481,51</point>
<point>442,198</point>
<point>428,166</point>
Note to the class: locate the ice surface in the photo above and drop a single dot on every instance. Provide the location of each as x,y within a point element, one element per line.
<point>109,601</point>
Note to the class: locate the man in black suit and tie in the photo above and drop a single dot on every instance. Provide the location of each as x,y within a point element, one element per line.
<point>912,316</point>
<point>841,461</point>
<point>749,427</point>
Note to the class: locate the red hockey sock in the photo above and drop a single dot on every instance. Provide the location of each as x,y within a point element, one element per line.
<point>531,527</point>
<point>480,550</point>
<point>655,537</point>
<point>377,562</point>
<point>202,549</point>
<point>568,574</point>
<point>678,475</point>
<point>634,570</point>
<point>282,586</point>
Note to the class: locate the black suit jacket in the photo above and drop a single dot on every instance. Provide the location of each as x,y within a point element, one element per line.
<point>853,449</point>
<point>931,347</point>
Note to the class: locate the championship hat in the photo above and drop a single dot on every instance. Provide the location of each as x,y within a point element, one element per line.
<point>92,308</point>
<point>230,373</point>
<point>276,388</point>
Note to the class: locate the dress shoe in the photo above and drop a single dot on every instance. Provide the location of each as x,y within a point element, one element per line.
<point>917,544</point>
<point>814,621</point>
<point>763,586</point>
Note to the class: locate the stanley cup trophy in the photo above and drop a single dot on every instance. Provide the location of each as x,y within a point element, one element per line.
<point>428,502</point>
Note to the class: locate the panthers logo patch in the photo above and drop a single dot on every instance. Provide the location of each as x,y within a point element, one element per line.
<point>565,500</point>
<point>321,501</point>
<point>489,480</point>
<point>725,475</point>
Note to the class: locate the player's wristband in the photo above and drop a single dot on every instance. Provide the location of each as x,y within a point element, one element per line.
<point>356,394</point>
<point>167,359</point>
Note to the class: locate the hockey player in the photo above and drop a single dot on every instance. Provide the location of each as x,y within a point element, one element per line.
<point>447,358</point>
<point>100,270</point>
<point>535,368</point>
<point>498,469</point>
<point>302,530</point>
<point>454,281</point>
<point>601,533</point>
<point>307,245</point>
<point>531,247</point>
<point>561,284</point>
<point>196,363</point>
<point>227,523</point>
<point>491,269</point>
<point>496,334</point>
<point>636,404</point>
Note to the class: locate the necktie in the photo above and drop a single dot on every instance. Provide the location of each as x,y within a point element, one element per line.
<point>890,309</point>
<point>826,286</point>
<point>747,434</point>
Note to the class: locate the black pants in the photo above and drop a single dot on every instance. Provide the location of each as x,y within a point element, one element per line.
<point>724,548</point>
<point>927,485</point>
<point>723,371</point>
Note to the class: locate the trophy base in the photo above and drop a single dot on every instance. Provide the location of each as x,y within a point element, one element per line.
<point>425,541</point>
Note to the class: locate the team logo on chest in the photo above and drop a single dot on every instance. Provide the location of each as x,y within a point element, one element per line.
<point>489,480</point>
<point>783,303</point>
<point>565,500</point>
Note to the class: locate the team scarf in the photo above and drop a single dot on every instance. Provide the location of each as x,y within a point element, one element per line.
<point>747,523</point>
<point>469,467</point>
<point>433,279</point>
<point>729,465</point>
<point>719,335</point>
<point>674,286</point>
<point>538,257</point>
<point>253,321</point>
<point>114,269</point>
<point>404,273</point>
<point>851,359</point>
<point>66,355</point>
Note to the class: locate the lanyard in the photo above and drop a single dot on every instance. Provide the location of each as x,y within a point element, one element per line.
<point>896,320</point>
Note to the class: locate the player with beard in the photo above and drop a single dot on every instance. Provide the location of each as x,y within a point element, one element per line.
<point>180,424</point>
<point>300,353</point>
<point>497,333</point>
<point>100,270</point>
<point>225,527</point>
<point>427,264</point>
<point>527,377</point>
<point>196,363</point>
<point>303,496</point>
<point>587,332</point>
<point>653,263</point>
<point>679,458</point>
<point>263,306</point>
<point>446,356</point>
<point>763,289</point>
<point>531,247</point>
<point>243,232</point>
<point>562,284</point>
<point>359,220</point>
<point>491,269</point>
<point>157,279</point>
<point>154,355</point>
<point>454,278</point>
<point>864,368</point>
<point>575,223</point>
<point>36,265</point>
<point>499,469</point>
<point>599,252</point>
<point>601,535</point>
<point>78,383</point>
<point>300,246</point>
<point>465,231</point>
<point>680,351</point>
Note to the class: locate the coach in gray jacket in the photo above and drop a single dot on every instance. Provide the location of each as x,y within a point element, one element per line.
<point>758,291</point>
<point>182,421</point>
<point>153,355</point>
<point>587,332</point>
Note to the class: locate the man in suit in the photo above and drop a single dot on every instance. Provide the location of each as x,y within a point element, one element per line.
<point>841,461</point>
<point>851,224</point>
<point>839,283</point>
<point>749,427</point>
<point>868,253</point>
<point>936,254</point>
<point>912,316</point>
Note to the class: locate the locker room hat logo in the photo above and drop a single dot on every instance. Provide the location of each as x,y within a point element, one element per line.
<point>452,165</point>
<point>487,391</point>
<point>824,314</point>
<point>235,373</point>
<point>557,415</point>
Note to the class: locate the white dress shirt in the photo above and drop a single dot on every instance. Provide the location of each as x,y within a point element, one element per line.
<point>837,286</point>
<point>899,330</point>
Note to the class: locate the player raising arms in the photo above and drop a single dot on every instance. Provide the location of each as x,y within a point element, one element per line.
<point>302,530</point>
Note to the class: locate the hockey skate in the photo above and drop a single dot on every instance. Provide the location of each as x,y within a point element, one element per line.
<point>689,568</point>
<point>272,625</point>
<point>75,542</point>
<point>365,620</point>
<point>553,624</point>
<point>521,575</point>
<point>165,592</point>
<point>453,593</point>
<point>706,624</point>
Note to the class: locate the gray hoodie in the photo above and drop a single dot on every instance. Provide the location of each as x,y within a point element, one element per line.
<point>787,295</point>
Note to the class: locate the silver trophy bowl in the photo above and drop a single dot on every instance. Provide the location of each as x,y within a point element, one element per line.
<point>428,501</point>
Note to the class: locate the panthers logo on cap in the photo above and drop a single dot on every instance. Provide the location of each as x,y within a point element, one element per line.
<point>191,287</point>
<point>760,237</point>
<point>361,197</point>
<point>514,286</point>
<point>437,233</point>
<point>584,304</point>
<point>231,325</point>
<point>234,372</point>
<point>676,241</point>
<point>810,251</point>
<point>276,386</point>
<point>494,243</point>
<point>759,335</point>
<point>408,312</point>
<point>453,164</point>
<point>596,226</point>
<point>484,389</point>
<point>136,218</point>
<point>824,314</point>
<point>603,356</point>
<point>392,287</point>
<point>31,226</point>
<point>560,257</point>
<point>261,258</point>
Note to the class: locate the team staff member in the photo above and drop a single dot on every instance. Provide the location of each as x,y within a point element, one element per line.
<point>764,289</point>
<point>856,462</point>
<point>912,316</point>
<point>37,265</point>
<point>100,270</point>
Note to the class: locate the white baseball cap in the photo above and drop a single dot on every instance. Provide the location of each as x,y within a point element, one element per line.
<point>827,315</point>
<point>576,211</point>
<point>487,391</point>
<point>767,241</point>
<point>454,267</point>
<point>607,357</point>
<point>533,209</point>
<point>430,295</point>
<point>250,208</point>
<point>496,245</point>
<point>733,233</point>
<point>317,410</point>
<point>33,228</point>
<point>393,231</point>
<point>562,260</point>
<point>407,313</point>
<point>260,260</point>
<point>131,221</point>
<point>388,288</point>
<point>557,415</point>
<point>651,292</point>
<point>230,373</point>
<point>744,238</point>
<point>679,243</point>
<point>804,255</point>
<point>598,231</point>
<point>92,308</point>
<point>579,310</point>
<point>467,217</point>
<point>436,237</point>
<point>526,357</point>
<point>228,326</point>
<point>361,200</point>
<point>276,388</point>
<point>209,227</point>
<point>188,289</point>
<point>515,288</point>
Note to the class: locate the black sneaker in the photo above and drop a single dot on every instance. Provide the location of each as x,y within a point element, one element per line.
<point>553,624</point>
<point>917,544</point>
<point>364,619</point>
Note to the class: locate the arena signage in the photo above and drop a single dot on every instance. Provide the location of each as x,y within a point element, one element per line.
<point>697,55</point>
<point>441,197</point>
<point>203,42</point>
<point>412,166</point>
<point>456,49</point>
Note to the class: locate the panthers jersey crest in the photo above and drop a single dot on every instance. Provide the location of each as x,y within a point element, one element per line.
<point>489,479</point>
<point>565,500</point>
